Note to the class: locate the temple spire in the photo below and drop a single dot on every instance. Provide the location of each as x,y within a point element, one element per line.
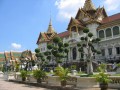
<point>50,27</point>
<point>88,6</point>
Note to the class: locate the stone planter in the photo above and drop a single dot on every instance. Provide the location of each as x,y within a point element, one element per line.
<point>63,83</point>
<point>118,71</point>
<point>74,72</point>
<point>87,82</point>
<point>18,77</point>
<point>5,76</point>
<point>31,79</point>
<point>1,74</point>
<point>53,80</point>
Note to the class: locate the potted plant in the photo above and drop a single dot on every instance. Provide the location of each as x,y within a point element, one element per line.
<point>103,78</point>
<point>23,75</point>
<point>118,69</point>
<point>39,75</point>
<point>63,74</point>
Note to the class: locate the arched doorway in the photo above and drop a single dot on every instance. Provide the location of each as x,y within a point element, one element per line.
<point>74,53</point>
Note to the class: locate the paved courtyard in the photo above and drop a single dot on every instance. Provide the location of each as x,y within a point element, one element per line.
<point>4,85</point>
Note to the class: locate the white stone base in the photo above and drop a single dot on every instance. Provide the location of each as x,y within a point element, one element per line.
<point>18,77</point>
<point>87,82</point>
<point>118,71</point>
<point>53,80</point>
<point>31,79</point>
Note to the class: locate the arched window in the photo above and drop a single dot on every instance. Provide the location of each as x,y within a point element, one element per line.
<point>73,28</point>
<point>101,34</point>
<point>108,32</point>
<point>116,30</point>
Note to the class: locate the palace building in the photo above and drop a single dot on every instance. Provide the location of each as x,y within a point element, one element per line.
<point>99,23</point>
<point>11,56</point>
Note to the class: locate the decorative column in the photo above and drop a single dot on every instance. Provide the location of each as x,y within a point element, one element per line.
<point>104,34</point>
<point>76,29</point>
<point>111,32</point>
<point>114,50</point>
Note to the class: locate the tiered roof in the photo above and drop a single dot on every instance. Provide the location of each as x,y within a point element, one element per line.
<point>47,36</point>
<point>12,55</point>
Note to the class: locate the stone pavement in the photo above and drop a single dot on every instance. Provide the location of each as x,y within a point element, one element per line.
<point>5,85</point>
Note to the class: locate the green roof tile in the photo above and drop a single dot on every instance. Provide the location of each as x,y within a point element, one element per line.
<point>16,54</point>
<point>2,56</point>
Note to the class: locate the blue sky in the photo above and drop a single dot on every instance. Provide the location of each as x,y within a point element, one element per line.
<point>21,21</point>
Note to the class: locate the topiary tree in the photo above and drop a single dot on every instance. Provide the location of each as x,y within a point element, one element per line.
<point>86,48</point>
<point>66,50</point>
<point>56,49</point>
<point>40,58</point>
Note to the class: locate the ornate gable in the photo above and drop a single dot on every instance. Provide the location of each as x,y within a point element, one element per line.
<point>74,22</point>
<point>100,14</point>
<point>42,37</point>
<point>82,14</point>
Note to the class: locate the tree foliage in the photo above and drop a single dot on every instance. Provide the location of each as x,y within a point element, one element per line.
<point>86,47</point>
<point>37,50</point>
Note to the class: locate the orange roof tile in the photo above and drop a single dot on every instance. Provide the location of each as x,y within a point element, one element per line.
<point>111,18</point>
<point>64,34</point>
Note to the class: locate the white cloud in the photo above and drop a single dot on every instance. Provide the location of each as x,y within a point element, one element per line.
<point>68,8</point>
<point>16,46</point>
<point>112,4</point>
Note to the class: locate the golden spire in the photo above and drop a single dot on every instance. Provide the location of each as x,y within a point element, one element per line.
<point>89,5</point>
<point>50,28</point>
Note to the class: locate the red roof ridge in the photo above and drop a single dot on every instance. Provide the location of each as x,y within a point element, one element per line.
<point>111,18</point>
<point>64,34</point>
<point>114,14</point>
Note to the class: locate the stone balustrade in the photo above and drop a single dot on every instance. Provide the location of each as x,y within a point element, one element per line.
<point>72,81</point>
<point>115,82</point>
